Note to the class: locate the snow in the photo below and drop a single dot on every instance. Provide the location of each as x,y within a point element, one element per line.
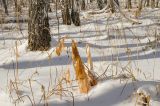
<point>116,47</point>
<point>148,90</point>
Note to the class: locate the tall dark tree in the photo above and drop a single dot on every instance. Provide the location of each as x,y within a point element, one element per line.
<point>128,4</point>
<point>100,4</point>
<point>117,2</point>
<point>147,2</point>
<point>105,1</point>
<point>153,3</point>
<point>38,26</point>
<point>83,5</point>
<point>157,2</point>
<point>17,6</point>
<point>140,5</point>
<point>91,1</point>
<point>65,12</point>
<point>112,5</point>
<point>75,12</point>
<point>5,6</point>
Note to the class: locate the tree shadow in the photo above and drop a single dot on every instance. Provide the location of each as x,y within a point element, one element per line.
<point>13,38</point>
<point>63,60</point>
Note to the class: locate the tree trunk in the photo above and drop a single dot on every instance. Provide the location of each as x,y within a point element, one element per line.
<point>49,6</point>
<point>100,4</point>
<point>91,1</point>
<point>65,12</point>
<point>147,3</point>
<point>5,6</point>
<point>17,6</point>
<point>152,3</point>
<point>69,4</point>
<point>157,2</point>
<point>117,2</point>
<point>140,5</point>
<point>83,5</point>
<point>105,1</point>
<point>112,6</point>
<point>75,13</point>
<point>128,4</point>
<point>38,26</point>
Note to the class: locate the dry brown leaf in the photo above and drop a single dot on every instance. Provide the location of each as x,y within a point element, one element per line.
<point>81,75</point>
<point>58,51</point>
<point>60,47</point>
<point>84,79</point>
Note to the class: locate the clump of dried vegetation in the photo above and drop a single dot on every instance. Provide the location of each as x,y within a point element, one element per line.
<point>143,100</point>
<point>84,78</point>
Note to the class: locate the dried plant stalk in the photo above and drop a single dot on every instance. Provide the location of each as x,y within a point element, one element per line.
<point>89,61</point>
<point>59,88</point>
<point>81,76</point>
<point>91,77</point>
<point>60,47</point>
<point>67,76</point>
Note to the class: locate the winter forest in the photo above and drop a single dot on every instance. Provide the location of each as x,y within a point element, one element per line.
<point>79,52</point>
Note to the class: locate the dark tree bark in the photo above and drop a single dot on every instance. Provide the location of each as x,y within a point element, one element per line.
<point>117,2</point>
<point>128,4</point>
<point>83,5</point>
<point>91,1</point>
<point>69,4</point>
<point>152,3</point>
<point>112,5</point>
<point>65,12</point>
<point>17,6</point>
<point>38,26</point>
<point>5,6</point>
<point>147,2</point>
<point>100,4</point>
<point>49,6</point>
<point>105,1</point>
<point>75,13</point>
<point>140,5</point>
<point>157,2</point>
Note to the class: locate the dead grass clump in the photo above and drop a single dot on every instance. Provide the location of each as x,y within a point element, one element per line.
<point>84,79</point>
<point>142,99</point>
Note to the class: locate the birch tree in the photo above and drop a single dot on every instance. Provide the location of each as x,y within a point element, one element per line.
<point>38,26</point>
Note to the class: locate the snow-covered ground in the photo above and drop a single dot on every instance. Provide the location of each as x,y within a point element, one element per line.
<point>123,57</point>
